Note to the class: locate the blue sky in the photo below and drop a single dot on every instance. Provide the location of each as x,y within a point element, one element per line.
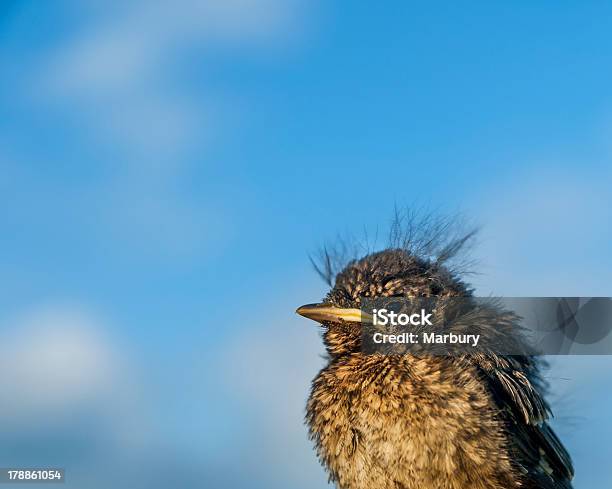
<point>163,164</point>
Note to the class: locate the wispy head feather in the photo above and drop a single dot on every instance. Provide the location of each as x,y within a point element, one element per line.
<point>437,239</point>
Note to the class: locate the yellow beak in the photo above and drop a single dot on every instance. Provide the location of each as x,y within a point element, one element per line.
<point>322,312</point>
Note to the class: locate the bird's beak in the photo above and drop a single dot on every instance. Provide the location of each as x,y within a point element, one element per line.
<point>323,312</point>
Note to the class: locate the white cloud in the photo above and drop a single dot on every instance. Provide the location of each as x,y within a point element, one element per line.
<point>119,71</point>
<point>59,362</point>
<point>53,359</point>
<point>126,81</point>
<point>269,370</point>
<point>545,233</point>
<point>138,39</point>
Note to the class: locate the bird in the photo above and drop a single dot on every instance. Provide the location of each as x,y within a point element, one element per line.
<point>403,421</point>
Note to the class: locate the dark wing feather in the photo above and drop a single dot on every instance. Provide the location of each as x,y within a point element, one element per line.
<point>538,453</point>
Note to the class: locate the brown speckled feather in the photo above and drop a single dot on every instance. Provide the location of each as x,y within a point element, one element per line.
<point>406,422</point>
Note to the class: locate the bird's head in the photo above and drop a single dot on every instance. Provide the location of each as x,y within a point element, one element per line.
<point>394,272</point>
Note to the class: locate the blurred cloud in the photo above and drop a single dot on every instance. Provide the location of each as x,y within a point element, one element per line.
<point>129,82</point>
<point>119,67</point>
<point>138,39</point>
<point>54,359</point>
<point>61,368</point>
<point>72,399</point>
<point>546,233</point>
<point>271,366</point>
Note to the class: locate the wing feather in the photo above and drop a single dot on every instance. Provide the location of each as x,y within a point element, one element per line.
<point>514,384</point>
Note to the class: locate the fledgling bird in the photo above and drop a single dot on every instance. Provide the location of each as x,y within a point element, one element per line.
<point>428,422</point>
